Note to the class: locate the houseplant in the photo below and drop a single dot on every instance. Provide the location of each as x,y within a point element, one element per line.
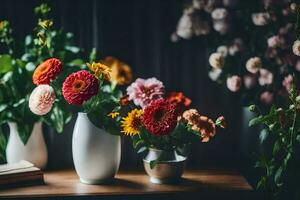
<point>279,161</point>
<point>96,142</point>
<point>18,62</point>
<point>162,126</point>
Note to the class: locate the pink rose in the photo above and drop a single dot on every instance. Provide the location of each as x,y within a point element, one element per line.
<point>287,82</point>
<point>265,78</point>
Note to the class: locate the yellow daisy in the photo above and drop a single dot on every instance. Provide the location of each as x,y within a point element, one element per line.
<point>99,68</point>
<point>132,123</point>
<point>113,114</point>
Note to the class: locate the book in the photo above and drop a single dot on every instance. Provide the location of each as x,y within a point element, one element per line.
<point>20,173</point>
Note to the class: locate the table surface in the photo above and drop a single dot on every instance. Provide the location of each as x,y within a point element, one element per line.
<point>65,183</point>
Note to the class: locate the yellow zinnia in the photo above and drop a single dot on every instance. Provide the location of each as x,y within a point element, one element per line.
<point>121,73</point>
<point>113,114</point>
<point>132,123</point>
<point>100,69</point>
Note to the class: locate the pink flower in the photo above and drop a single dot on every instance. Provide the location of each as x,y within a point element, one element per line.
<point>234,83</point>
<point>41,99</point>
<point>249,81</point>
<point>287,82</point>
<point>265,78</point>
<point>275,41</point>
<point>298,65</point>
<point>267,97</point>
<point>143,91</point>
<point>261,19</point>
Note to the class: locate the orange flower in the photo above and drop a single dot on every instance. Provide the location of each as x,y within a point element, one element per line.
<point>207,128</point>
<point>47,71</point>
<point>121,72</point>
<point>179,100</point>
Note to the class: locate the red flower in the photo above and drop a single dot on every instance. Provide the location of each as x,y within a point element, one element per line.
<point>160,117</point>
<point>79,87</point>
<point>179,99</point>
<point>47,71</point>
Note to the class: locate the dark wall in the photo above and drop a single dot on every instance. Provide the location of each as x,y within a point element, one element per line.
<point>138,32</point>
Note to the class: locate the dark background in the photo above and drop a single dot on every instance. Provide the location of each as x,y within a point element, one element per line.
<point>138,32</point>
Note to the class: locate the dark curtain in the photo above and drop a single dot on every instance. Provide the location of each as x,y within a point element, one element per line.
<point>138,32</point>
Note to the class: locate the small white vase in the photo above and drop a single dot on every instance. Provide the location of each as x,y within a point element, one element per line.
<point>96,153</point>
<point>35,150</point>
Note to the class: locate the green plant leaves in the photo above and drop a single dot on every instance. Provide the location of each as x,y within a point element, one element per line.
<point>5,63</point>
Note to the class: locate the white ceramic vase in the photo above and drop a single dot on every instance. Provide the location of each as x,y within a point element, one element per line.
<point>35,150</point>
<point>96,153</point>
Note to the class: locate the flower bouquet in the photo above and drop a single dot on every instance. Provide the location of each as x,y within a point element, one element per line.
<point>250,45</point>
<point>96,142</point>
<point>162,125</point>
<point>18,71</point>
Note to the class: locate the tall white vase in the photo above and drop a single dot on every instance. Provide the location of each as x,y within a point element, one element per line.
<point>35,150</point>
<point>96,153</point>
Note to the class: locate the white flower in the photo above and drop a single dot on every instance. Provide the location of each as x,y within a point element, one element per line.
<point>185,27</point>
<point>174,37</point>
<point>265,78</point>
<point>234,83</point>
<point>253,65</point>
<point>296,47</point>
<point>41,99</point>
<point>221,26</point>
<point>260,19</point>
<point>216,60</point>
<point>237,46</point>
<point>274,41</point>
<point>214,74</point>
<point>219,14</point>
<point>198,4</point>
<point>249,81</point>
<point>223,50</point>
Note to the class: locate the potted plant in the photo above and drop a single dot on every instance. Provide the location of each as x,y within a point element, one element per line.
<point>162,126</point>
<point>279,161</point>
<point>18,77</point>
<point>96,143</point>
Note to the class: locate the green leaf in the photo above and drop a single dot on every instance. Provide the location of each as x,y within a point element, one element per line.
<point>276,148</point>
<point>142,149</point>
<point>153,163</point>
<point>5,63</point>
<point>3,143</point>
<point>76,62</point>
<point>93,55</point>
<point>73,49</point>
<point>277,176</point>
<point>24,131</point>
<point>255,121</point>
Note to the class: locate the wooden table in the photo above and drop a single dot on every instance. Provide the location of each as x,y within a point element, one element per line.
<point>207,184</point>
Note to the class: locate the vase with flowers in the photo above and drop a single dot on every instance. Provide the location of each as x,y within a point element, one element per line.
<point>30,95</point>
<point>163,126</point>
<point>96,143</point>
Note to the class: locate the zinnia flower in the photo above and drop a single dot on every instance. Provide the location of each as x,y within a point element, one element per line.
<point>185,27</point>
<point>79,87</point>
<point>179,100</point>
<point>223,50</point>
<point>47,71</point>
<point>216,60</point>
<point>160,117</point>
<point>132,123</point>
<point>253,65</point>
<point>234,83</point>
<point>100,69</point>
<point>120,72</point>
<point>41,99</point>
<point>221,122</point>
<point>214,74</point>
<point>190,116</point>
<point>219,14</point>
<point>207,128</point>
<point>143,91</point>
<point>296,47</point>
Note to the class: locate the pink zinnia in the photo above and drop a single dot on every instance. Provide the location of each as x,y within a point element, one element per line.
<point>143,91</point>
<point>41,99</point>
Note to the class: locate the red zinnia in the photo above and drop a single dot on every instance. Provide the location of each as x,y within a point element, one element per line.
<point>160,117</point>
<point>47,71</point>
<point>79,87</point>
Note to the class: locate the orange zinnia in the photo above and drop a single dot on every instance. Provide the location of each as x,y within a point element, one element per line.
<point>121,72</point>
<point>47,71</point>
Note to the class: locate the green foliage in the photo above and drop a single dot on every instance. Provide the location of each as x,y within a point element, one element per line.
<point>280,159</point>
